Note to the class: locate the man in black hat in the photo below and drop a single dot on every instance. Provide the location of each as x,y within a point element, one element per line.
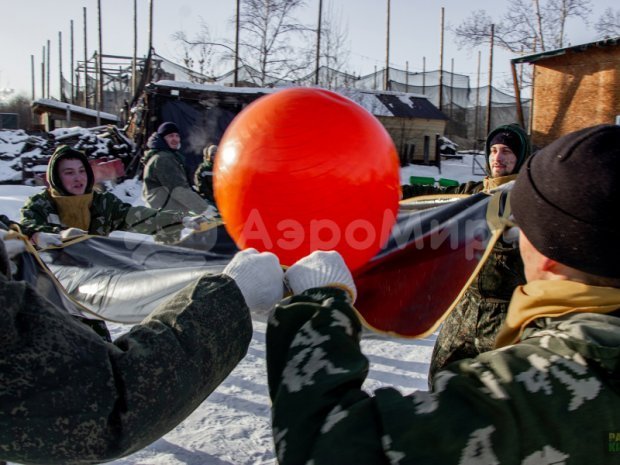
<point>471,327</point>
<point>549,394</point>
<point>165,184</point>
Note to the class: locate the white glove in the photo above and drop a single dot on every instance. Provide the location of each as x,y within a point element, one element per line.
<point>13,246</point>
<point>259,276</point>
<point>43,239</point>
<point>320,269</point>
<point>70,233</point>
<point>194,222</point>
<point>198,222</point>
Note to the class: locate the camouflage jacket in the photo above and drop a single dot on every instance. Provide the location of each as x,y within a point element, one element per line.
<point>107,213</point>
<point>67,396</point>
<point>165,182</point>
<point>203,180</point>
<point>552,398</point>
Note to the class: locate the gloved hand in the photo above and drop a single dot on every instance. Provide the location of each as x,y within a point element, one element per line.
<point>43,239</point>
<point>70,233</point>
<point>320,269</point>
<point>13,246</point>
<point>259,276</point>
<point>194,222</point>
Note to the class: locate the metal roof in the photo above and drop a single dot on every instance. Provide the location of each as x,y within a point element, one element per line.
<point>612,41</point>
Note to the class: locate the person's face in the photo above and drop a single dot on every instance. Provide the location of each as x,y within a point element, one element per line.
<point>173,140</point>
<point>502,160</point>
<point>532,259</point>
<point>73,175</point>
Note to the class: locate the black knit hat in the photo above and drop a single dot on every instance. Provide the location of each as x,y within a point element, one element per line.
<point>514,137</point>
<point>509,139</point>
<point>566,200</point>
<point>167,128</point>
<point>53,177</point>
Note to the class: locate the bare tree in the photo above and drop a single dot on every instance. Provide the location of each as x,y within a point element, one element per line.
<point>557,13</point>
<point>268,34</point>
<point>335,49</point>
<point>528,25</point>
<point>198,53</point>
<point>608,24</point>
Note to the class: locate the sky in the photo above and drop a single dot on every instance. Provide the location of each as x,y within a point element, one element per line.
<point>415,33</point>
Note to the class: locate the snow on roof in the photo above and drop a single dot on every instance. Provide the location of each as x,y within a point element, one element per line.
<point>74,108</point>
<point>378,103</point>
<point>214,87</point>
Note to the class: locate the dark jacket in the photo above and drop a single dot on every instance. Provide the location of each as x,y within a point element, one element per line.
<point>69,397</point>
<point>165,184</point>
<point>519,405</point>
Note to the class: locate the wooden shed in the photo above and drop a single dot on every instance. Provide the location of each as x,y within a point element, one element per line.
<point>413,122</point>
<point>53,114</point>
<point>573,88</point>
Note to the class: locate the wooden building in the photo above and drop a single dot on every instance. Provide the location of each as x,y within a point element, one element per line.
<point>573,88</point>
<point>413,122</point>
<point>52,114</point>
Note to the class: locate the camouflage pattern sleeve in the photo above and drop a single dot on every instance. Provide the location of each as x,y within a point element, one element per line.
<point>519,405</point>
<point>39,215</point>
<point>109,213</point>
<point>68,396</point>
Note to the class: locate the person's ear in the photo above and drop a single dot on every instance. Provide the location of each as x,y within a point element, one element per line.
<point>554,268</point>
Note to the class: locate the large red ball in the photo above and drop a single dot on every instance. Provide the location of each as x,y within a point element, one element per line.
<point>307,169</point>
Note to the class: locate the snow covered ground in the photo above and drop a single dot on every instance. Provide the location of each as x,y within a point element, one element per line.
<point>232,426</point>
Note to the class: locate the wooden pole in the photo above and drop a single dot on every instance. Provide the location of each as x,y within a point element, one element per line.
<point>423,75</point>
<point>43,73</point>
<point>386,81</point>
<point>406,76</point>
<point>515,82</point>
<point>99,61</point>
<point>72,59</point>
<point>441,62</point>
<point>477,112</point>
<point>318,44</point>
<point>489,95</point>
<point>85,62</point>
<point>32,74</point>
<point>134,80</point>
<point>60,93</point>
<point>48,69</point>
<point>451,86</point>
<point>150,25</point>
<point>237,22</point>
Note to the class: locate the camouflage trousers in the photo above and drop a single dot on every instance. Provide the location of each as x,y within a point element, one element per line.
<point>470,329</point>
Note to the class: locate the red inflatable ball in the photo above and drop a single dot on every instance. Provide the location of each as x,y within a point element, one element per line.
<point>307,169</point>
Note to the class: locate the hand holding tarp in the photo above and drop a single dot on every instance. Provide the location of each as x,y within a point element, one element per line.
<point>320,269</point>
<point>259,276</point>
<point>43,239</point>
<point>71,233</point>
<point>13,245</point>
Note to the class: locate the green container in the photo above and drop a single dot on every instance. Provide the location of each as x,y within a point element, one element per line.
<point>445,182</point>
<point>421,180</point>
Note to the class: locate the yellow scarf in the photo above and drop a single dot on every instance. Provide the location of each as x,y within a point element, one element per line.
<point>74,210</point>
<point>539,299</point>
<point>492,183</point>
